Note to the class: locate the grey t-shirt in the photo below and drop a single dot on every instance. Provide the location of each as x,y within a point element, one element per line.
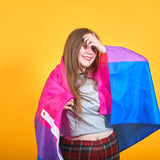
<point>90,122</point>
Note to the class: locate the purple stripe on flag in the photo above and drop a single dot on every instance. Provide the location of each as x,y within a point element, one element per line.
<point>121,54</point>
<point>45,142</point>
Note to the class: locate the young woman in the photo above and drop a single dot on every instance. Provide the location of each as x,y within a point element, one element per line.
<point>78,118</point>
<point>85,133</point>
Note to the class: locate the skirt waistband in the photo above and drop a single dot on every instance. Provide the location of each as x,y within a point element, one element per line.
<point>88,142</point>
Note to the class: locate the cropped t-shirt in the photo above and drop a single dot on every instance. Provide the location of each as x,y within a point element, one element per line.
<point>90,122</point>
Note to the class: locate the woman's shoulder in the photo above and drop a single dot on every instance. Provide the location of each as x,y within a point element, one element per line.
<point>56,72</point>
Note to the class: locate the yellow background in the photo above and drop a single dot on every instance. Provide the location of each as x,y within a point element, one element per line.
<point>32,36</point>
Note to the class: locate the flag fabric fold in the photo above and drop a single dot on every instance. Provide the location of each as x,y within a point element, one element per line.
<point>135,112</point>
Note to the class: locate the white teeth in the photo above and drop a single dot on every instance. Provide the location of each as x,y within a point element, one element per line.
<point>88,58</point>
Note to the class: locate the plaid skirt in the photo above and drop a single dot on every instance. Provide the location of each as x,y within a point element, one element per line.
<point>103,149</point>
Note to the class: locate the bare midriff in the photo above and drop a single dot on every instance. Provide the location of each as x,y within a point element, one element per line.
<point>91,137</point>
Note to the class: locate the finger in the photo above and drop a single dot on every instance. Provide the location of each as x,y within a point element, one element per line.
<point>70,103</point>
<point>93,34</point>
<point>90,35</point>
<point>67,107</point>
<point>88,41</point>
<point>87,35</point>
<point>72,100</point>
<point>85,39</point>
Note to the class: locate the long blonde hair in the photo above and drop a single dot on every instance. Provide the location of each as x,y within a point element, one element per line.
<point>70,56</point>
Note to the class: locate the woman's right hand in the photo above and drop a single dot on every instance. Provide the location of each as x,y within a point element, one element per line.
<point>69,104</point>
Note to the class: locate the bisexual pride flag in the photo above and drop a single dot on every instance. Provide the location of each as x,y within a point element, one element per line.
<point>134,112</point>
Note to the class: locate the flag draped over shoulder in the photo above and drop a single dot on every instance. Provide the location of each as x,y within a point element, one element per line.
<point>134,112</point>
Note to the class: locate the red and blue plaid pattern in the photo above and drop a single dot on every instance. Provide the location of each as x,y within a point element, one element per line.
<point>103,149</point>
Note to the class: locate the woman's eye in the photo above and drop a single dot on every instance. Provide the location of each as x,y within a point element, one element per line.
<point>85,46</point>
<point>93,48</point>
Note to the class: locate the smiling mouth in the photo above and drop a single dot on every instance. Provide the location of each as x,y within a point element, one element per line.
<point>87,58</point>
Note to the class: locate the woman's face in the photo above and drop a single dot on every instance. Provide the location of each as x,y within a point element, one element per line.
<point>86,56</point>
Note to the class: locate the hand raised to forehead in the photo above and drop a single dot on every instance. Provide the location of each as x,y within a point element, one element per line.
<point>91,40</point>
